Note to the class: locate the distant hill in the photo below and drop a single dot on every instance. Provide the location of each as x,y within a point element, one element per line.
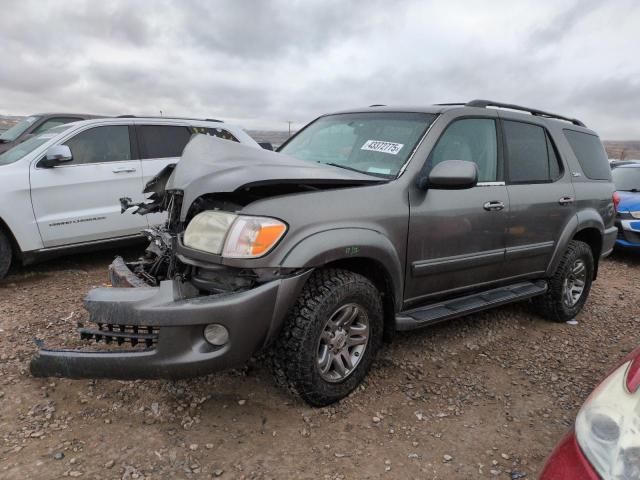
<point>274,137</point>
<point>623,150</point>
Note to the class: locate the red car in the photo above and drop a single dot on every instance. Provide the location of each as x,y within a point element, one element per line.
<point>605,441</point>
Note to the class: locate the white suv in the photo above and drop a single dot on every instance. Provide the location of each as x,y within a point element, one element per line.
<point>60,191</point>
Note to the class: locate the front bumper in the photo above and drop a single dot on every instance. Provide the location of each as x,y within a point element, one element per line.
<point>169,321</point>
<point>567,462</point>
<point>628,233</point>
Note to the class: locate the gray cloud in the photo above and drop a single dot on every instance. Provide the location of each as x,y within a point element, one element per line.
<point>262,63</point>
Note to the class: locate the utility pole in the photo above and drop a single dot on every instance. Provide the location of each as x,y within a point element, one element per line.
<point>289,122</point>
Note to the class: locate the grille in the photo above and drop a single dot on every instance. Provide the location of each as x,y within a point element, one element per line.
<point>131,334</point>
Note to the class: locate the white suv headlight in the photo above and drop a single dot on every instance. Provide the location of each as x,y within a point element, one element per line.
<point>233,236</point>
<point>608,428</point>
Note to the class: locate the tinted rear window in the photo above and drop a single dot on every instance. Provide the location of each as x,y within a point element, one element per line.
<point>531,156</point>
<point>590,153</point>
<point>162,141</point>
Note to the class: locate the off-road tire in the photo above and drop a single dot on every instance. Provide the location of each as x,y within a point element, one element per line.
<point>294,355</point>
<point>5,254</point>
<point>551,305</point>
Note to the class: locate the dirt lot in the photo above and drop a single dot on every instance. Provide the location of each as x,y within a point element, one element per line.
<point>487,396</point>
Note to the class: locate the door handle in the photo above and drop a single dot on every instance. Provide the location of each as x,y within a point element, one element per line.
<point>493,206</point>
<point>124,170</point>
<point>565,201</point>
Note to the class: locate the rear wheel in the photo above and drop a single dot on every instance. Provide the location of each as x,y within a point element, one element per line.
<point>570,285</point>
<point>5,254</point>
<point>330,338</point>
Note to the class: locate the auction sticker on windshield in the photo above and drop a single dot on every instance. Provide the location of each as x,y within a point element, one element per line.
<point>384,147</point>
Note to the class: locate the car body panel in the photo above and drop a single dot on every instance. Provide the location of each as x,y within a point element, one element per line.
<point>567,462</point>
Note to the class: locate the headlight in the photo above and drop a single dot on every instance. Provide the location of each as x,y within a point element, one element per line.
<point>608,428</point>
<point>635,214</point>
<point>233,236</point>
<point>207,231</point>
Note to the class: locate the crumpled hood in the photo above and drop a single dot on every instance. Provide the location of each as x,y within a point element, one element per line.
<point>629,201</point>
<point>212,165</point>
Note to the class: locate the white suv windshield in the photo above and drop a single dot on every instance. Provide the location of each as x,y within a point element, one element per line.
<point>376,143</point>
<point>16,153</point>
<point>18,129</point>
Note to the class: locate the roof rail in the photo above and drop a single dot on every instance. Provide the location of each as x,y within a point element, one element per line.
<point>532,111</point>
<point>173,118</point>
<point>378,105</point>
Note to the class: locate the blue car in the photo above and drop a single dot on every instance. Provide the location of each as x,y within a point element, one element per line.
<point>627,181</point>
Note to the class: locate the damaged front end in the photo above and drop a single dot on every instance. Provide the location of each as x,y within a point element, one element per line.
<point>169,324</point>
<point>163,327</point>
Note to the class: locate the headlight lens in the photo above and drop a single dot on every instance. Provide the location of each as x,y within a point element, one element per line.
<point>207,231</point>
<point>233,236</point>
<point>251,237</point>
<point>608,428</point>
<point>635,214</point>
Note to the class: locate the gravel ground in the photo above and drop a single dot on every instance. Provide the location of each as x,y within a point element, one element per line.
<point>487,396</point>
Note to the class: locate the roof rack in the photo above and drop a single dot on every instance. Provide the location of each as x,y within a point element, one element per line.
<point>173,118</point>
<point>532,111</point>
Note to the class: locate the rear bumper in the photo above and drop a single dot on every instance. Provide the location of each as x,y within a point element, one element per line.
<point>609,240</point>
<point>169,321</point>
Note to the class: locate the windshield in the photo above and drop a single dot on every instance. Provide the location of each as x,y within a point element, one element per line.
<point>626,179</point>
<point>16,153</point>
<point>378,143</point>
<point>18,129</point>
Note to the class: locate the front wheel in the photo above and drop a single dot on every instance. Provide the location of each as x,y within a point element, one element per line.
<point>570,285</point>
<point>330,338</point>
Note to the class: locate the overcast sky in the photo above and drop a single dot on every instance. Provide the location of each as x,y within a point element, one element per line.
<point>261,63</point>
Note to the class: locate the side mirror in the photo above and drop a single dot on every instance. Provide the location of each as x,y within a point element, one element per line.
<point>56,155</point>
<point>451,175</point>
<point>266,145</point>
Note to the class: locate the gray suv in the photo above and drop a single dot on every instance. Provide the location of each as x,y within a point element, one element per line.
<point>365,222</point>
<point>35,125</point>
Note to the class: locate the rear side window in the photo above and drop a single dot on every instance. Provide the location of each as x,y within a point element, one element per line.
<point>162,141</point>
<point>590,153</point>
<point>471,139</point>
<point>531,156</point>
<point>101,144</point>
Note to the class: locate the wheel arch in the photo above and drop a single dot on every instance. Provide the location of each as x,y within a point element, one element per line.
<point>16,251</point>
<point>363,251</point>
<point>586,226</point>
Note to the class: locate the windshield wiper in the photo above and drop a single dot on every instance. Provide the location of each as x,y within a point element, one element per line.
<point>374,174</point>
<point>634,190</point>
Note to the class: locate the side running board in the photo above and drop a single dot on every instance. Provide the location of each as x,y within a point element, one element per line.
<point>457,307</point>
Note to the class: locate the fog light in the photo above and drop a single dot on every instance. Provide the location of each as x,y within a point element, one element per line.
<point>216,334</point>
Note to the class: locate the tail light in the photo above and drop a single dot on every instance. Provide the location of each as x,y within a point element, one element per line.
<point>616,200</point>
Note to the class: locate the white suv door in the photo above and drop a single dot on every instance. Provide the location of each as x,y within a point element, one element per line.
<point>79,201</point>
